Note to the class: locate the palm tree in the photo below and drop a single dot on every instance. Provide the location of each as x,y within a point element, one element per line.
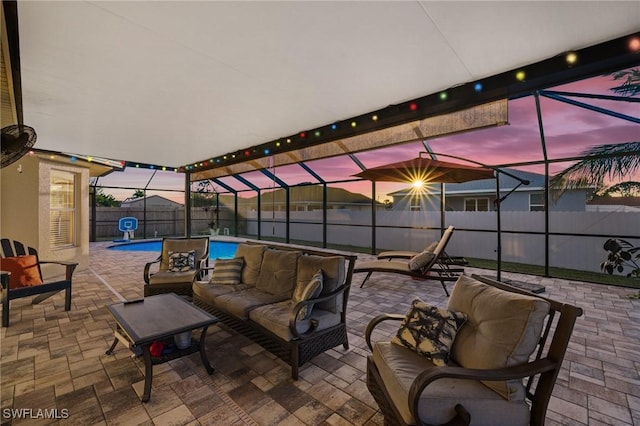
<point>613,161</point>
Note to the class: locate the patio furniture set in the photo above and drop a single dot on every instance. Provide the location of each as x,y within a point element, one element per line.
<point>491,356</point>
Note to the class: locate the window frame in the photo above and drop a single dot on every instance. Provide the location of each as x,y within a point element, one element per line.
<point>63,203</point>
<point>475,203</point>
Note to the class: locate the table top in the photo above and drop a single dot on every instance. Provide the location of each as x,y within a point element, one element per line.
<point>158,317</point>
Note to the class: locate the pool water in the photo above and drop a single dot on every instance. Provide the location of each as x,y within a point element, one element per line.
<point>217,249</point>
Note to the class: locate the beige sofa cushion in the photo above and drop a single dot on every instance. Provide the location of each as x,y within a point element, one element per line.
<point>399,366</point>
<point>207,291</point>
<point>502,330</point>
<point>252,255</point>
<point>278,272</point>
<point>240,303</point>
<point>275,318</point>
<point>333,272</point>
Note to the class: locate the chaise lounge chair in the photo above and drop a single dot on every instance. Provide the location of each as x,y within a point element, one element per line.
<point>427,265</point>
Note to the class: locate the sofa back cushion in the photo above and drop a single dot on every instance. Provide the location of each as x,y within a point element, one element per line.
<point>333,271</point>
<point>278,272</point>
<point>502,330</point>
<point>252,255</point>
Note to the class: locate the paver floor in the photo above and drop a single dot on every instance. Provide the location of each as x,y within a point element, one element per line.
<point>55,360</point>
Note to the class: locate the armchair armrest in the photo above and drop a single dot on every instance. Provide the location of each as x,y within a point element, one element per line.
<point>147,268</point>
<point>293,314</point>
<point>507,373</point>
<point>69,266</point>
<point>377,320</point>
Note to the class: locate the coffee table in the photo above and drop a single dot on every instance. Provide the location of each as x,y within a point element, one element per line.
<point>141,322</point>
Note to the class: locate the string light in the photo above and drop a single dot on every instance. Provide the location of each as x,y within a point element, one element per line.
<point>413,106</point>
<point>477,87</point>
<point>443,96</point>
<point>374,118</point>
<point>354,124</point>
<point>317,133</point>
<point>303,135</point>
<point>520,75</point>
<point>634,44</point>
<point>334,126</point>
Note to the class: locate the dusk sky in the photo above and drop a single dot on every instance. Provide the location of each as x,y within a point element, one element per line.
<point>568,129</point>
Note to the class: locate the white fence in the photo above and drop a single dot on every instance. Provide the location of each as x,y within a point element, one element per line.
<point>475,235</point>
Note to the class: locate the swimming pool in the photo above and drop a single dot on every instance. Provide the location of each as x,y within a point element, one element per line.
<point>217,249</point>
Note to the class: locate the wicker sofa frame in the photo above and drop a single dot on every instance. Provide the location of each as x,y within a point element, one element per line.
<point>303,347</point>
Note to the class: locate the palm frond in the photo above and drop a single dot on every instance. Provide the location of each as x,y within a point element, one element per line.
<point>631,85</point>
<point>609,161</point>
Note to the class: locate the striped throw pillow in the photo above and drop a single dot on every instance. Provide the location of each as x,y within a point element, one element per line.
<point>227,271</point>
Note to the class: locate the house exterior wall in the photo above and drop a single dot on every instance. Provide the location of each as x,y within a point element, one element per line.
<point>25,210</point>
<point>517,201</point>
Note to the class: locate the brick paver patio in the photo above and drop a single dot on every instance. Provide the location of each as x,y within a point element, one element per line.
<point>55,360</point>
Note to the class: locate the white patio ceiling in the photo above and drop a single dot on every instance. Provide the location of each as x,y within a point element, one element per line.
<point>173,82</point>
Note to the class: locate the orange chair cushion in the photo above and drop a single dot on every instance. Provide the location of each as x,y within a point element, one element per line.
<point>24,270</point>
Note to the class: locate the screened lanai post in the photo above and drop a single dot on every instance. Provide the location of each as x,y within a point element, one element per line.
<point>543,143</point>
<point>498,230</point>
<point>187,204</point>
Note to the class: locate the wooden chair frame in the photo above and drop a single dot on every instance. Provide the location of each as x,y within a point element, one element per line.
<point>43,291</point>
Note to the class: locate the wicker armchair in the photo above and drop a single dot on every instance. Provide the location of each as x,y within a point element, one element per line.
<point>170,278</point>
<point>410,389</point>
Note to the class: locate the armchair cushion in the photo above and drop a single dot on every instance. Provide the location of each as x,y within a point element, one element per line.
<point>278,272</point>
<point>252,255</point>
<point>398,368</point>
<point>227,271</point>
<point>309,291</point>
<point>502,330</point>
<point>24,270</point>
<point>429,331</point>
<point>180,261</point>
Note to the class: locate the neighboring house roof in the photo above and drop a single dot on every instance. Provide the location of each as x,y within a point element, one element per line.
<point>615,201</point>
<point>152,199</point>
<point>536,183</point>
<point>314,193</point>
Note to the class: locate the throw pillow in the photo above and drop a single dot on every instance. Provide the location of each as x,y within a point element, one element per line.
<point>420,260</point>
<point>227,271</point>
<point>308,291</point>
<point>429,331</point>
<point>24,270</point>
<point>180,261</point>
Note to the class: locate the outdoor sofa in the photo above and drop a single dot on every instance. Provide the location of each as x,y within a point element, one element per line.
<point>292,300</point>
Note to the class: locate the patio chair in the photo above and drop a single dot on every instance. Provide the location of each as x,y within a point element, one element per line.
<point>181,260</point>
<point>21,276</point>
<point>427,265</point>
<point>499,367</point>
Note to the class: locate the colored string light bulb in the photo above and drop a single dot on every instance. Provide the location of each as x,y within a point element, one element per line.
<point>317,133</point>
<point>443,96</point>
<point>374,118</point>
<point>354,124</point>
<point>413,106</point>
<point>477,87</point>
<point>520,75</point>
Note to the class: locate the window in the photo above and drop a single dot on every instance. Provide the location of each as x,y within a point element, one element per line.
<point>476,204</point>
<point>62,219</point>
<point>415,205</point>
<point>536,202</point>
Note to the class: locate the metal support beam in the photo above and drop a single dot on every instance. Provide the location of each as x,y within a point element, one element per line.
<point>187,204</point>
<point>543,142</point>
<point>555,96</point>
<point>287,190</point>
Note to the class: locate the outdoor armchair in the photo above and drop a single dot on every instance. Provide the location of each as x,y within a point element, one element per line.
<point>498,367</point>
<point>181,260</point>
<point>22,277</point>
